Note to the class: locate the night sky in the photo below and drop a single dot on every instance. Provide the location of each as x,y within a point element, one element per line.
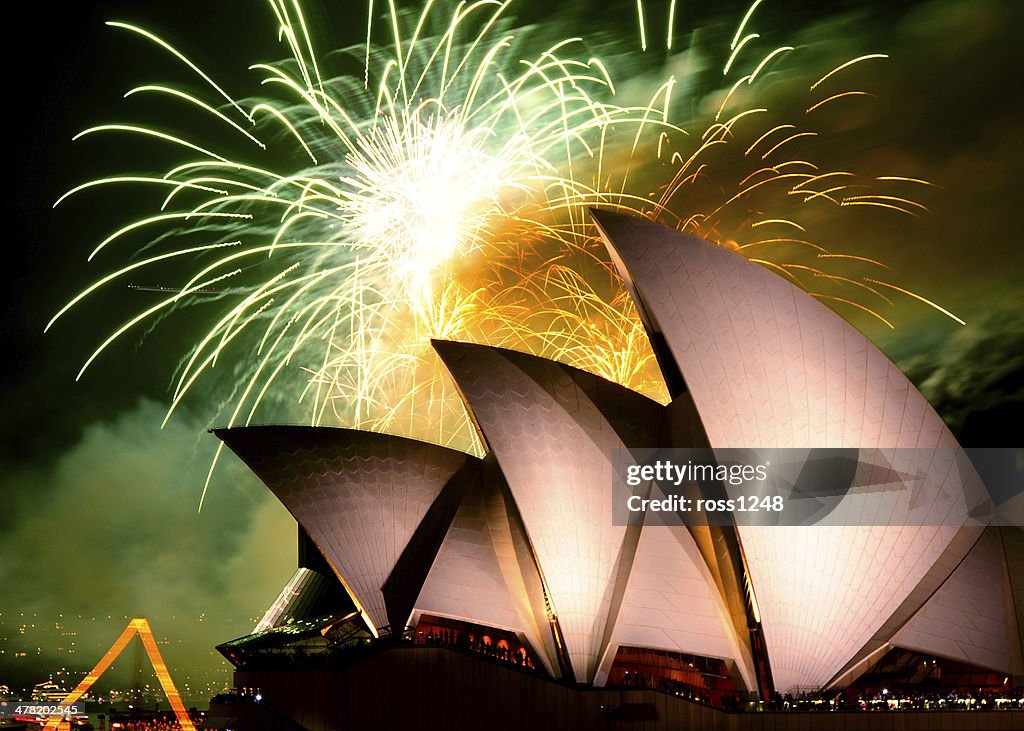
<point>99,515</point>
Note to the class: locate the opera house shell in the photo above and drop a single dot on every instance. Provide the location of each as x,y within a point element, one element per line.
<point>523,541</point>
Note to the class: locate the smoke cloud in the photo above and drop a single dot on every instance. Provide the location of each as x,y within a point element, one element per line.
<point>111,531</point>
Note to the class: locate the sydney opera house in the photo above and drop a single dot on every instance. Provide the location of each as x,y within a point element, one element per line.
<point>441,590</point>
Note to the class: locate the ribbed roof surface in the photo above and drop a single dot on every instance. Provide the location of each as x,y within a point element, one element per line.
<point>768,366</point>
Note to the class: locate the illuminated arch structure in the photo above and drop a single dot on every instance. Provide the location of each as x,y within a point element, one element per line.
<point>138,626</point>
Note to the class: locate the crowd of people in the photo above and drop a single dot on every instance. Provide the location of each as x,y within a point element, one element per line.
<point>922,699</point>
<point>156,723</point>
<point>884,699</point>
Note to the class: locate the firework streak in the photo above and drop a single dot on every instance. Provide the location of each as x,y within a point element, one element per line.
<point>438,187</point>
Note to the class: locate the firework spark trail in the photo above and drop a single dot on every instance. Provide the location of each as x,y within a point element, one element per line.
<point>440,192</point>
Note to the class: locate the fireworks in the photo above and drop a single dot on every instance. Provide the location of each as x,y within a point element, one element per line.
<point>437,188</point>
